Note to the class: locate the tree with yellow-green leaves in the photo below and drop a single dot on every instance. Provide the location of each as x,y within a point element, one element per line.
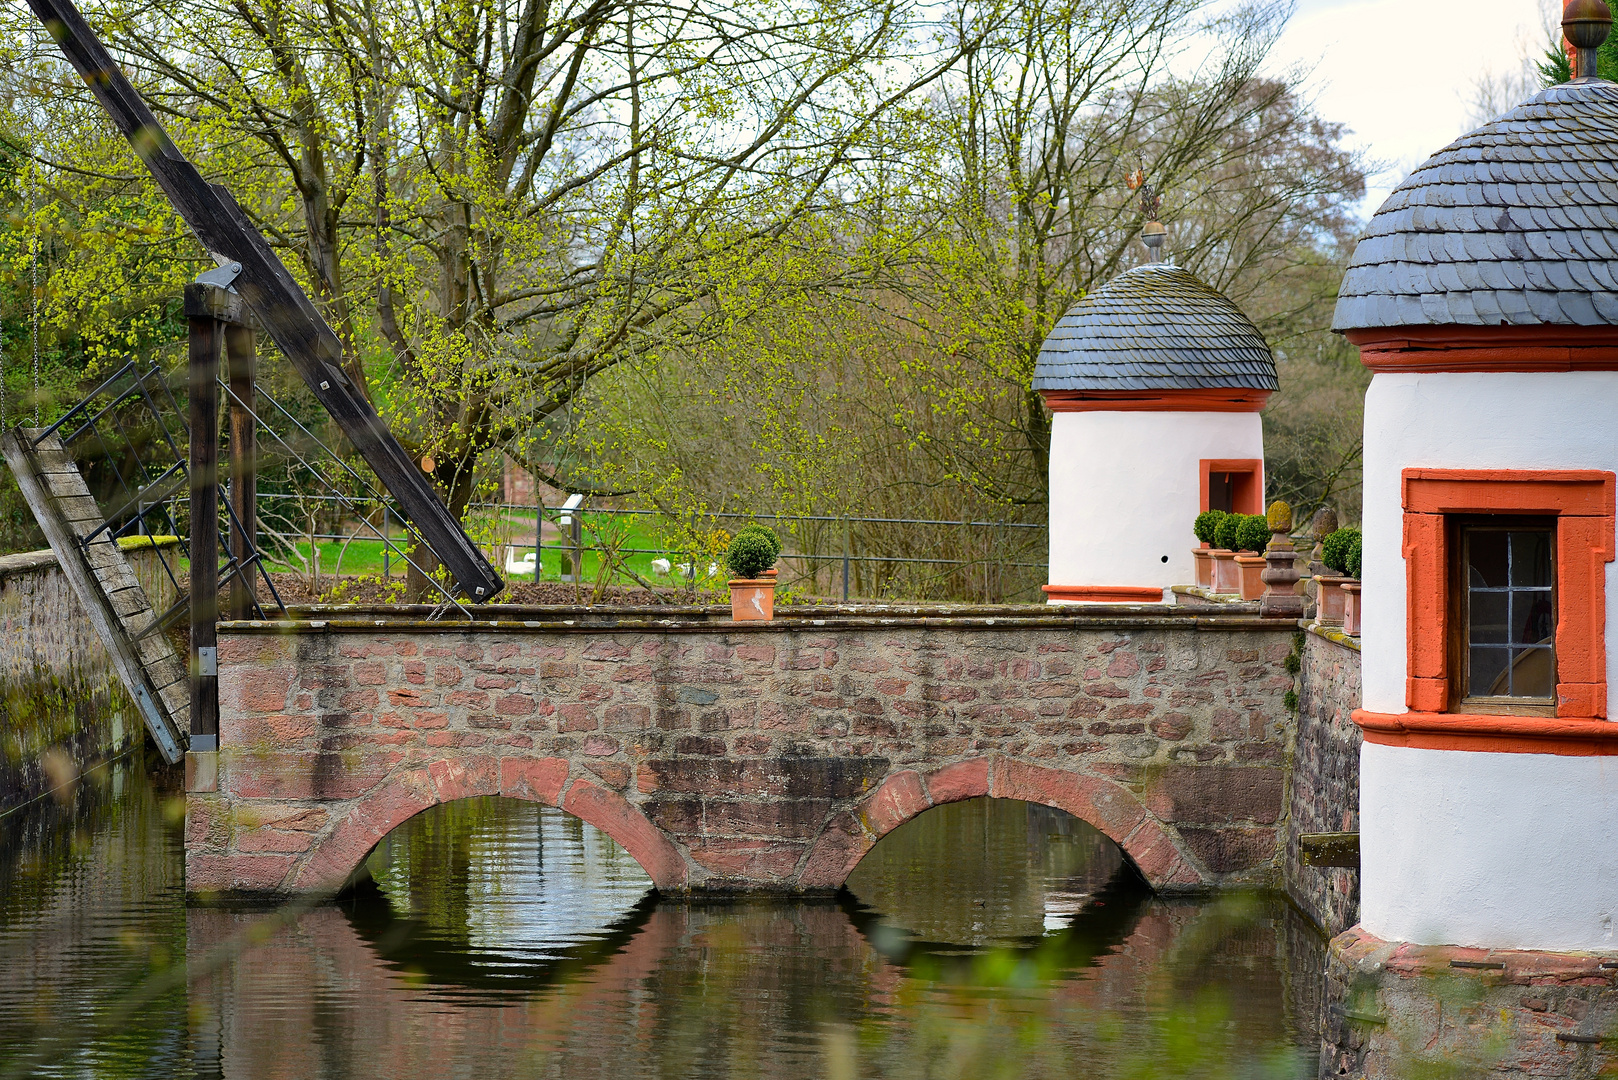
<point>492,200</point>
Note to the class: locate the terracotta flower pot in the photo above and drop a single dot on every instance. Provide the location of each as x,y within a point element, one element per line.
<point>1332,599</point>
<point>752,599</point>
<point>1351,608</point>
<point>1251,567</point>
<point>1204,564</point>
<point>1227,576</point>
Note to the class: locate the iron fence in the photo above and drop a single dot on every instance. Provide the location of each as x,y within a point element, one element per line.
<point>989,560</point>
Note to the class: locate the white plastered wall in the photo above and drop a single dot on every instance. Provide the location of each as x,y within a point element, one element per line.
<point>1126,486</point>
<point>1462,848</point>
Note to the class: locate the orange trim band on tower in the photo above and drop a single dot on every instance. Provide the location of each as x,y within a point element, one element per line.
<point>1203,399</point>
<point>1488,348</point>
<point>1563,736</point>
<point>1582,501</point>
<point>1105,594</point>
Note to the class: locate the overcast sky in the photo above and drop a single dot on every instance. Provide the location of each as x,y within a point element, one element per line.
<point>1400,73</point>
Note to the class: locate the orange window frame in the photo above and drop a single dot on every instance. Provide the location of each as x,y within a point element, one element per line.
<point>1582,504</point>
<point>1248,497</point>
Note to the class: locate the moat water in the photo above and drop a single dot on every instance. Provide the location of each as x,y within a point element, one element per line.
<point>985,939</point>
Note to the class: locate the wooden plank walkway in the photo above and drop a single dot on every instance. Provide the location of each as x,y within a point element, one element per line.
<point>106,585</point>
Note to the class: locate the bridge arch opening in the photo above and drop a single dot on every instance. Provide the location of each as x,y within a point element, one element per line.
<point>988,872</point>
<point>497,894</point>
<point>1149,845</point>
<point>338,859</point>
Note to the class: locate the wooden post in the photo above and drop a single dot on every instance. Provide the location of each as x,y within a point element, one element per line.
<point>207,336</point>
<point>242,363</point>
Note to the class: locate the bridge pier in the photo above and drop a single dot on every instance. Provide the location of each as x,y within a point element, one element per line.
<point>769,757</point>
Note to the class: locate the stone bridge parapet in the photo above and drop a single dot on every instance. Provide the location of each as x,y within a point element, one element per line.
<point>765,756</point>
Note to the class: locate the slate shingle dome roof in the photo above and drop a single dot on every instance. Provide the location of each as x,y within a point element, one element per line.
<point>1515,224</point>
<point>1154,327</point>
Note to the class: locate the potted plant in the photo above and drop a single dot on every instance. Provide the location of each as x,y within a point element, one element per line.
<point>1328,587</point>
<point>1252,537</point>
<point>1205,527</point>
<point>774,541</point>
<point>752,594</point>
<point>1226,574</point>
<point>1351,589</point>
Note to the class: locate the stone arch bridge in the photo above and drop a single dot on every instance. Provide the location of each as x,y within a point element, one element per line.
<point>737,757</point>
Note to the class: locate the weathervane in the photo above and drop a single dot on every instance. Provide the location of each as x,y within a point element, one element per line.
<point>1153,233</point>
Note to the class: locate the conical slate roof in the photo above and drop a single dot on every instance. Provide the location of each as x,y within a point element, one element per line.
<point>1515,224</point>
<point>1154,327</point>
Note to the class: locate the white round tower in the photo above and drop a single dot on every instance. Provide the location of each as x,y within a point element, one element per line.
<point>1484,297</point>
<point>1155,382</point>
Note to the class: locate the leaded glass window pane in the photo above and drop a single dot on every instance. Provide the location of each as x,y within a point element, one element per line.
<point>1511,612</point>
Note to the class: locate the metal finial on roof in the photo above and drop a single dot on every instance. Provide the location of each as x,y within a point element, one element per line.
<point>1150,205</point>
<point>1585,24</point>
<point>1152,236</point>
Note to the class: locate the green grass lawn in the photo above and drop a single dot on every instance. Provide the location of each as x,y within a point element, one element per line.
<point>363,557</point>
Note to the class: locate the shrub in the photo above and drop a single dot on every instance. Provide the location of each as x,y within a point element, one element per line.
<point>1253,534</point>
<point>1334,549</point>
<point>1353,560</point>
<point>1225,532</point>
<point>750,554</point>
<point>775,541</point>
<point>1207,525</point>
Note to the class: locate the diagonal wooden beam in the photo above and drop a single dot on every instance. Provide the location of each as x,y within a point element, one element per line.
<point>285,312</point>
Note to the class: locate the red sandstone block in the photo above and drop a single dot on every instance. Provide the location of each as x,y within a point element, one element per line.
<point>519,741</point>
<point>577,718</point>
<point>963,780</point>
<point>429,721</point>
<point>749,860</point>
<point>272,840</point>
<point>538,779</point>
<point>461,778</point>
<point>246,873</point>
<point>614,773</point>
<point>514,705</point>
<point>605,649</point>
<point>300,775</point>
<point>265,690</point>
<point>1123,665</point>
<point>465,740</point>
<point>287,730</point>
<point>628,717</point>
<point>756,653</point>
<point>467,699</point>
<point>447,675</point>
<point>359,699</point>
<point>415,671</point>
<point>406,698</point>
<point>494,682</point>
<point>1107,805</point>
<point>608,811</point>
<point>901,797</point>
<point>600,746</point>
<point>835,853</point>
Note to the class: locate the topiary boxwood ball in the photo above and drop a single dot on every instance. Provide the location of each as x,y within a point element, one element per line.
<point>750,554</point>
<point>1354,557</point>
<point>1225,532</point>
<point>775,541</point>
<point>1207,525</point>
<point>1334,549</point>
<point>1253,534</point>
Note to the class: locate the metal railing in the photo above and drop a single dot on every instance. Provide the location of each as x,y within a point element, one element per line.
<point>812,548</point>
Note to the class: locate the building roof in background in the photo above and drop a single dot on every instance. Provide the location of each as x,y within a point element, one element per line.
<point>1152,328</point>
<point>1515,224</point>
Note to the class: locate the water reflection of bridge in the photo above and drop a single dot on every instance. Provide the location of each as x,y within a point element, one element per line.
<point>728,988</point>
